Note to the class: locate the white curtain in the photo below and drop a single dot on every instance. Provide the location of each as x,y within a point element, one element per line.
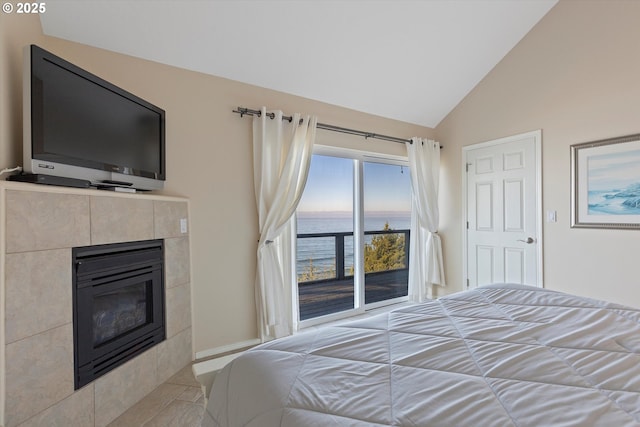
<point>425,258</point>
<point>281,157</point>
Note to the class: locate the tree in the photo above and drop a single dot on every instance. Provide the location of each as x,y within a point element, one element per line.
<point>311,272</point>
<point>385,252</point>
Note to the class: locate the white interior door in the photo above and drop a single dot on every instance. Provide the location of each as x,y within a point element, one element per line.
<point>503,236</point>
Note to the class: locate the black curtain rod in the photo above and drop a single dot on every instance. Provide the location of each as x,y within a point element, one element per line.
<point>242,111</point>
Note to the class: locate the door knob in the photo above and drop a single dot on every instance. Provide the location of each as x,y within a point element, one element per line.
<point>529,240</point>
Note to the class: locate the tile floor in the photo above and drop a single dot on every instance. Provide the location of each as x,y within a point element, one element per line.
<point>179,402</point>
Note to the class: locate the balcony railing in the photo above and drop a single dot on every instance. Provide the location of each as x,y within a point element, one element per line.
<point>329,288</point>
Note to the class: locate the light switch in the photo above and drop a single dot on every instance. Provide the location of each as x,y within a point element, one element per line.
<point>183,225</point>
<point>551,216</point>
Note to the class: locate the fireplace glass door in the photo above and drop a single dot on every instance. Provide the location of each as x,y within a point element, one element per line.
<point>119,305</point>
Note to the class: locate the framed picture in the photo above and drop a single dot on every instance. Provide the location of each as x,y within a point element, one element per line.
<point>605,183</point>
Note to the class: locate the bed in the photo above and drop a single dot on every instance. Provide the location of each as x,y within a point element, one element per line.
<point>500,355</point>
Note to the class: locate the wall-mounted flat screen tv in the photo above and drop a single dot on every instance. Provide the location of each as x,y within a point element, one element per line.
<point>77,125</point>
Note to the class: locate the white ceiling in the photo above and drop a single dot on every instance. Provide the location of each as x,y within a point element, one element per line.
<point>407,60</point>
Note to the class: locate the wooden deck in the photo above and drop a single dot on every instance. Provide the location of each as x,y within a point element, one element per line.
<point>332,296</point>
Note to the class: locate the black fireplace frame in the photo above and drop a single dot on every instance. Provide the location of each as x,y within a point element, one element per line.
<point>104,268</point>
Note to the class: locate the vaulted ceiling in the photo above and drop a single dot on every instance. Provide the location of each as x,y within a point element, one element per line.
<point>407,60</point>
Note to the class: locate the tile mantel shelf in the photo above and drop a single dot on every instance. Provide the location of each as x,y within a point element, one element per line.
<point>39,225</point>
<point>22,186</point>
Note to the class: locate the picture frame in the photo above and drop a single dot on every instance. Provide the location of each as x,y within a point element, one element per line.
<point>605,183</point>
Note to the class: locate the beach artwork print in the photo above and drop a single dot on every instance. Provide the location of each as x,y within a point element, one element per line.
<point>605,183</point>
<point>613,183</point>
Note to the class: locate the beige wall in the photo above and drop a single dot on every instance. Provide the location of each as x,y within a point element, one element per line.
<point>209,160</point>
<point>576,77</point>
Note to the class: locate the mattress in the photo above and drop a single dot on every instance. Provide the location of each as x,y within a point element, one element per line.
<point>501,355</point>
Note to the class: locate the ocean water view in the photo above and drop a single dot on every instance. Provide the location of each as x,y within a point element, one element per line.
<point>318,253</point>
<point>616,202</point>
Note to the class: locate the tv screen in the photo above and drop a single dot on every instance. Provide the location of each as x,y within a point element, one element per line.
<point>81,126</point>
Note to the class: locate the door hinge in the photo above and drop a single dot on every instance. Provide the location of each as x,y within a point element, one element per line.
<point>467,167</point>
<point>467,283</point>
<point>467,225</point>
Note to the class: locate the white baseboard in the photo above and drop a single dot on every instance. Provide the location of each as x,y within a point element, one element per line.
<point>205,372</point>
<point>211,352</point>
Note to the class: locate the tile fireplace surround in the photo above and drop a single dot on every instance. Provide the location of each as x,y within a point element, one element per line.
<point>39,225</point>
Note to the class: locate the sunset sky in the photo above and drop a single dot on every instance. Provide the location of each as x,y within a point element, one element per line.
<point>330,187</point>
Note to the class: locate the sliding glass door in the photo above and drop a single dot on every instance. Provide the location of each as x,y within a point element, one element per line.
<point>387,220</point>
<point>325,224</point>
<point>352,236</point>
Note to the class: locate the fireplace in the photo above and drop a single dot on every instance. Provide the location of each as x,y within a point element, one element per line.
<point>118,297</point>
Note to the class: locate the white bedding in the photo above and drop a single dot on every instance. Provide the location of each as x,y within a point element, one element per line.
<point>496,356</point>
